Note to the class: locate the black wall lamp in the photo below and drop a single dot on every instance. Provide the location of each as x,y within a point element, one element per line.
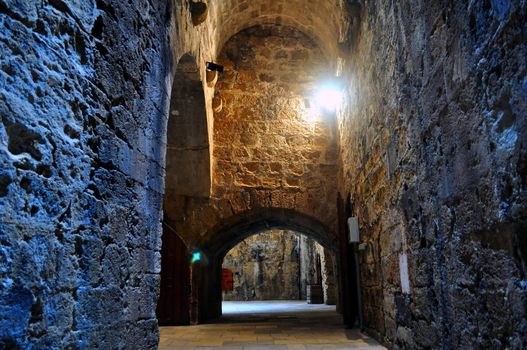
<point>214,67</point>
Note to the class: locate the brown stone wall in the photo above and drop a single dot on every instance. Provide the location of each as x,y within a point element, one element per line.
<point>329,286</point>
<point>261,137</point>
<point>265,153</point>
<point>265,266</point>
<point>432,150</point>
<point>278,265</point>
<point>307,265</point>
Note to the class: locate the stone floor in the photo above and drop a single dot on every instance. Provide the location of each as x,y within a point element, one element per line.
<point>279,325</point>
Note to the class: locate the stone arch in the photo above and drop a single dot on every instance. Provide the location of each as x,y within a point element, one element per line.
<point>325,21</point>
<point>188,159</point>
<point>187,174</point>
<point>279,264</point>
<point>235,229</point>
<point>206,275</point>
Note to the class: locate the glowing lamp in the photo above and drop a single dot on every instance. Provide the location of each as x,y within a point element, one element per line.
<point>328,97</point>
<point>196,256</point>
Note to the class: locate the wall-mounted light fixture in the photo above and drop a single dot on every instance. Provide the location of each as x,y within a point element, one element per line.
<point>214,67</point>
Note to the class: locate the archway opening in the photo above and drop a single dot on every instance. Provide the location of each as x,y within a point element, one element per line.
<point>188,150</point>
<point>187,174</point>
<point>207,273</point>
<point>277,272</point>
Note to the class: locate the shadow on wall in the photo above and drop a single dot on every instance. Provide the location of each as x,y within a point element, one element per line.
<point>187,174</point>
<point>188,152</point>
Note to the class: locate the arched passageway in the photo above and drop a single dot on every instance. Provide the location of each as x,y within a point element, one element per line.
<point>279,265</point>
<point>206,273</point>
<point>188,152</point>
<point>274,152</point>
<point>187,174</point>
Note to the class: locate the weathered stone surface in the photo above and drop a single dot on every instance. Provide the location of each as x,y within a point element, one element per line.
<point>265,266</point>
<point>432,146</point>
<point>329,286</point>
<point>80,187</point>
<point>278,265</point>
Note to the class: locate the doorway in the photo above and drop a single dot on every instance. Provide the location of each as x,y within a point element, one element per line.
<point>276,271</point>
<point>187,175</point>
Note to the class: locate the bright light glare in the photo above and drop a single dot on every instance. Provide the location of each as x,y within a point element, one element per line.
<point>311,116</point>
<point>328,97</point>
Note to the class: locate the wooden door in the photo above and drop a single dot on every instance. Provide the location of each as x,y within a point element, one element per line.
<point>173,303</point>
<point>348,271</point>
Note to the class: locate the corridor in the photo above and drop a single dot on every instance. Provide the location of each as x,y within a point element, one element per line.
<point>273,325</point>
<point>162,160</point>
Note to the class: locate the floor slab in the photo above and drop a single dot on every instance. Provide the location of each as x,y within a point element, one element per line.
<point>278,325</point>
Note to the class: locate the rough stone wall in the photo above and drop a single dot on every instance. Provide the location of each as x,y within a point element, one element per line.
<point>329,286</point>
<point>278,265</point>
<point>82,105</point>
<point>261,137</point>
<point>265,153</point>
<point>307,265</point>
<point>433,151</point>
<point>265,266</point>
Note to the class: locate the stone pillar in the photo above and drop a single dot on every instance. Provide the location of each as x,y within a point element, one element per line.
<point>307,264</point>
<point>328,276</point>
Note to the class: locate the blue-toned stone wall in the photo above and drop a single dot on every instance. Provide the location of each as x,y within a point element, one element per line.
<point>82,113</point>
<point>433,153</point>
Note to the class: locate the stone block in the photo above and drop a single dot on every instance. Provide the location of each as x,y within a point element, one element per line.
<point>96,305</point>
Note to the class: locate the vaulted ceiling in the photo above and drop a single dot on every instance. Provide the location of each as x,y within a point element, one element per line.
<point>324,20</point>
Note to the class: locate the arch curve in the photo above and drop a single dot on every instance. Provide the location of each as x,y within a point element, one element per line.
<point>324,21</point>
<point>206,276</point>
<point>235,229</point>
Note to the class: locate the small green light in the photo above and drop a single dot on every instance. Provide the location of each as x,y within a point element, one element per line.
<point>196,256</point>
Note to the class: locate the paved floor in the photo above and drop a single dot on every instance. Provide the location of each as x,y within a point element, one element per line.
<point>278,325</point>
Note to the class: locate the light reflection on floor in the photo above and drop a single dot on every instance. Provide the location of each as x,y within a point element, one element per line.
<point>279,325</point>
<point>233,308</point>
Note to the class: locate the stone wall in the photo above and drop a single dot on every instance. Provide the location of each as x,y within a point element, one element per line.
<point>266,153</point>
<point>433,151</point>
<point>265,266</point>
<point>82,101</point>
<point>329,279</point>
<point>308,267</point>
<point>278,265</point>
<point>261,136</point>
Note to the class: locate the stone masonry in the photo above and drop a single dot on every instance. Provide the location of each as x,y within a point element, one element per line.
<point>433,141</point>
<point>430,144</point>
<point>265,266</point>
<point>265,152</point>
<point>278,265</point>
<point>81,178</point>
